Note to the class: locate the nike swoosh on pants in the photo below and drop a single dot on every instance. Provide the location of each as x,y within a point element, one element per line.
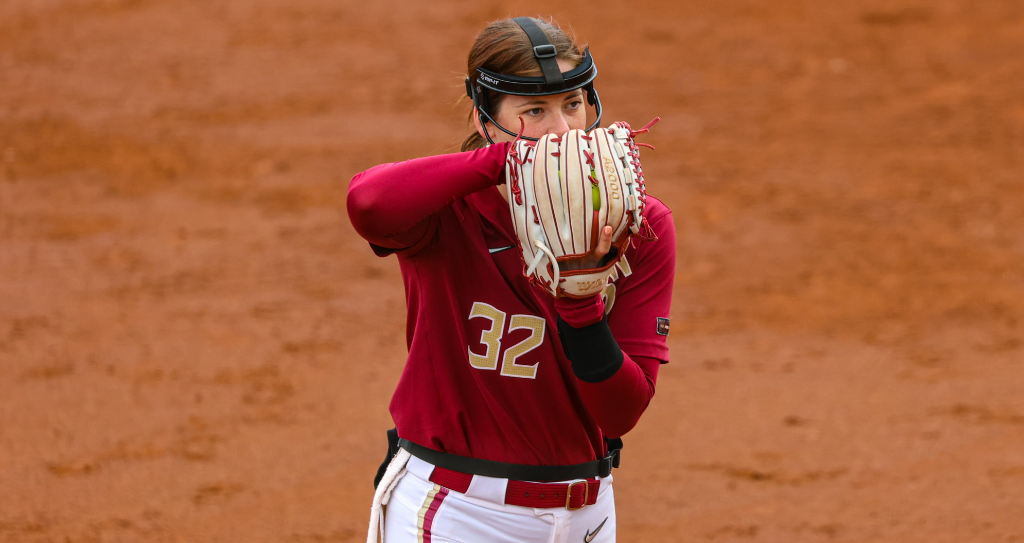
<point>590,536</point>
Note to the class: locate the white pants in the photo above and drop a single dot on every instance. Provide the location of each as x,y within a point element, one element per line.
<point>420,511</point>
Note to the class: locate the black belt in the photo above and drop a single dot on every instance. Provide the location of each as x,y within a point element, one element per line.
<point>518,472</point>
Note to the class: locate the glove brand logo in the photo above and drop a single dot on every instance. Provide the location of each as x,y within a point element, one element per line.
<point>591,535</point>
<point>587,286</point>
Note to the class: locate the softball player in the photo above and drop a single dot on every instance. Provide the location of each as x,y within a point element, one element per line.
<point>503,436</point>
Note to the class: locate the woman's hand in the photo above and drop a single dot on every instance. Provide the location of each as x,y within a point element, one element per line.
<point>594,258</point>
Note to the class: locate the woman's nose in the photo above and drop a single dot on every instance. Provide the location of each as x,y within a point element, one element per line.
<point>561,125</point>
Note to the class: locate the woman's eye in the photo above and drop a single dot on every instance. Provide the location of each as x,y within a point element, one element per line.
<point>575,104</point>
<point>535,111</point>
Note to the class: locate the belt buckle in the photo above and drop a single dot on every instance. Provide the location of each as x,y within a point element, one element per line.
<point>568,495</point>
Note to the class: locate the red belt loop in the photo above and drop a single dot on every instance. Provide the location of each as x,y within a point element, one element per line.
<point>452,480</point>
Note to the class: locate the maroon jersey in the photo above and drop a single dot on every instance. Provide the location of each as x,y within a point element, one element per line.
<point>487,376</point>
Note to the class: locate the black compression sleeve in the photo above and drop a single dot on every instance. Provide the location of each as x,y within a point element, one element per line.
<point>593,351</point>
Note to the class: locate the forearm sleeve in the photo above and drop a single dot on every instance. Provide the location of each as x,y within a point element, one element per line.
<point>390,205</point>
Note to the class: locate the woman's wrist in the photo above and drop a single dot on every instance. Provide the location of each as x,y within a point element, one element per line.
<point>580,312</point>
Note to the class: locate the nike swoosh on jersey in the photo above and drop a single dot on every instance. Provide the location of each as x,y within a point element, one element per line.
<point>493,250</point>
<point>590,536</point>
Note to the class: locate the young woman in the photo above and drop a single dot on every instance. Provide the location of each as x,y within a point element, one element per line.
<point>509,397</point>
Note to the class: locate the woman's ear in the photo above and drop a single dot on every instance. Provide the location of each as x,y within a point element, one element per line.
<point>476,122</point>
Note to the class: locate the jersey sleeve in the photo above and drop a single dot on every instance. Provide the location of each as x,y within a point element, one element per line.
<point>392,205</point>
<point>617,402</point>
<point>639,316</point>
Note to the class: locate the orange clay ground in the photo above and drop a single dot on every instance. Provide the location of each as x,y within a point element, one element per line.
<point>195,345</point>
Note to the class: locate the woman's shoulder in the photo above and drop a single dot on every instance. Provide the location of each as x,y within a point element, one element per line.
<point>657,212</point>
<point>662,245</point>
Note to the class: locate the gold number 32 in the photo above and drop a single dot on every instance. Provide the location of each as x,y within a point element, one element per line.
<point>491,339</point>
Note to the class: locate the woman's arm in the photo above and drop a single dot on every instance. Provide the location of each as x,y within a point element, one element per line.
<point>615,387</point>
<point>390,205</point>
<point>616,358</point>
<point>617,402</point>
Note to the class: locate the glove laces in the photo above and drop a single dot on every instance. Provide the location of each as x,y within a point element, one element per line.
<point>645,232</point>
<point>513,153</point>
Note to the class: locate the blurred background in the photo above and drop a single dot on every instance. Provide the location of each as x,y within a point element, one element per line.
<point>196,346</point>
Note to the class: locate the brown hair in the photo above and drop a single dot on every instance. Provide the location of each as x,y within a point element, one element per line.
<point>504,47</point>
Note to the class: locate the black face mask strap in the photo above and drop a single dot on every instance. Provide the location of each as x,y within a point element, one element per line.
<point>542,50</point>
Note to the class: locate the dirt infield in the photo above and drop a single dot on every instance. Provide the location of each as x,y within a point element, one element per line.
<point>195,345</point>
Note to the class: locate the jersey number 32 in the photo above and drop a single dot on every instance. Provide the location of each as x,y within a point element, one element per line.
<point>491,339</point>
